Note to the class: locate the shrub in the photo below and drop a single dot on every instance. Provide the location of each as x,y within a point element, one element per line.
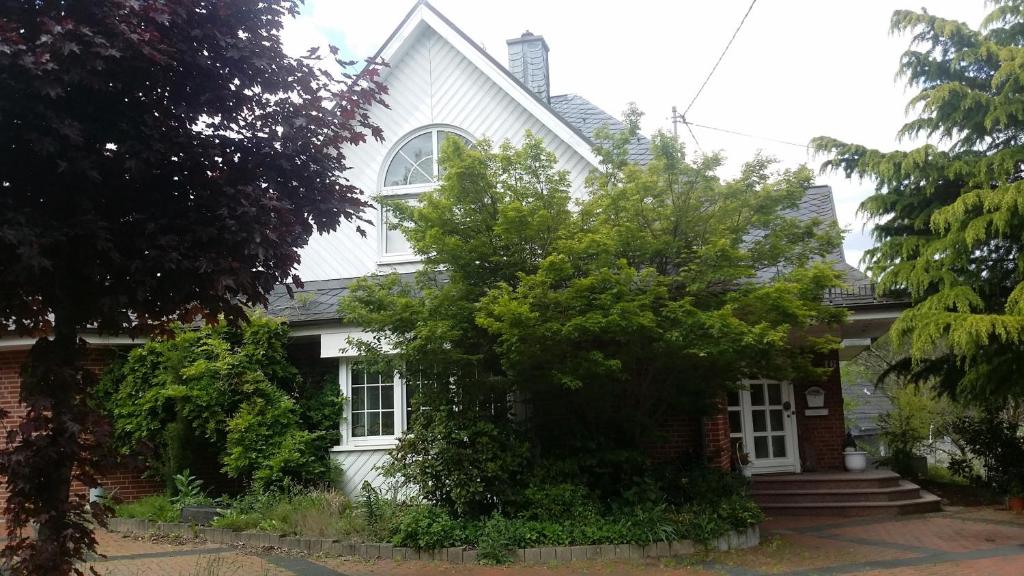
<point>157,508</point>
<point>497,539</point>
<point>558,502</point>
<point>995,446</point>
<point>426,527</point>
<point>231,391</point>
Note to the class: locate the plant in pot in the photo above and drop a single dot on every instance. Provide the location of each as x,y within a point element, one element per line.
<point>742,459</point>
<point>853,459</point>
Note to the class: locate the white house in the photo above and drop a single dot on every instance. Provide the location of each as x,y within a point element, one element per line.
<point>443,85</point>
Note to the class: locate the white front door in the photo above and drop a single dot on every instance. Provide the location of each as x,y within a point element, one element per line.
<point>762,423</point>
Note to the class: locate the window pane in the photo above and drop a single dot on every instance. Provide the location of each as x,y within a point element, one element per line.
<point>358,424</point>
<point>734,422</point>
<point>775,394</point>
<point>373,397</point>
<point>778,446</point>
<point>358,377</point>
<point>759,421</point>
<point>776,417</point>
<point>358,398</point>
<point>387,397</point>
<point>761,447</point>
<point>373,423</point>
<point>734,398</point>
<point>387,423</point>
<point>757,394</point>
<point>413,164</point>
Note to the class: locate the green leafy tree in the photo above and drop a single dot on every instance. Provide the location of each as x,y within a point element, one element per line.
<point>950,216</point>
<point>232,391</point>
<point>662,289</point>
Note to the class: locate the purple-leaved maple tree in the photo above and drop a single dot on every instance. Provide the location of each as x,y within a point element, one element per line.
<point>160,161</point>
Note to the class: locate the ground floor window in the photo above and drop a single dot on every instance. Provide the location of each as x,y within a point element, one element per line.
<point>379,405</point>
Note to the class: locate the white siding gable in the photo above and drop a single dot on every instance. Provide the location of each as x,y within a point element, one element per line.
<point>432,82</point>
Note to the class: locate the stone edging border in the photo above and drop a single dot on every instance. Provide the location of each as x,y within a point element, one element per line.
<point>329,547</point>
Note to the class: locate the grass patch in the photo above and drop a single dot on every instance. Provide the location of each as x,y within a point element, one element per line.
<point>321,513</point>
<point>157,508</point>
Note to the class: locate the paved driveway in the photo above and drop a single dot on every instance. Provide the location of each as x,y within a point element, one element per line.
<point>966,541</point>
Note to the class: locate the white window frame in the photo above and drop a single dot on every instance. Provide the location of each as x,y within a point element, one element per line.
<point>407,192</point>
<point>387,441</point>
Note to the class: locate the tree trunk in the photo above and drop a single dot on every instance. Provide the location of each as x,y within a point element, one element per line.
<point>53,549</point>
<point>41,461</point>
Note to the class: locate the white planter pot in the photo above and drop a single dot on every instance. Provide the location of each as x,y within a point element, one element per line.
<point>855,461</point>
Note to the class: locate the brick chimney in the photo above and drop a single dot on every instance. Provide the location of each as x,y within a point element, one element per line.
<point>528,61</point>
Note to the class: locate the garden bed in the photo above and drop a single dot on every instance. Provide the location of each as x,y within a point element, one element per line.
<point>456,555</point>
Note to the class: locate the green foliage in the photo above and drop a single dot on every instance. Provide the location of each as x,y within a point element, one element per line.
<point>638,305</point>
<point>908,425</point>
<point>950,219</point>
<point>232,390</point>
<point>995,452</point>
<point>498,540</point>
<point>157,508</point>
<point>427,527</point>
<point>188,491</point>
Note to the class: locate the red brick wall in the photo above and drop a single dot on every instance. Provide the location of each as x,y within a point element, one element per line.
<point>717,445</point>
<point>124,479</point>
<point>678,437</point>
<point>821,437</point>
<point>685,436</point>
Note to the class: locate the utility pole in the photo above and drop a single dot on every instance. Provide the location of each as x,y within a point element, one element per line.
<point>676,118</point>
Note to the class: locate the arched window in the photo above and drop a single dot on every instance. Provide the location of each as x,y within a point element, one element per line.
<point>410,170</point>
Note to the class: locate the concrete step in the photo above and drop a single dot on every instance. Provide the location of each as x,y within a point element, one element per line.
<point>903,491</point>
<point>827,481</point>
<point>926,502</point>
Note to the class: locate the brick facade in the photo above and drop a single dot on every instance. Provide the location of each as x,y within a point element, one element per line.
<point>124,481</point>
<point>685,437</point>
<point>821,437</point>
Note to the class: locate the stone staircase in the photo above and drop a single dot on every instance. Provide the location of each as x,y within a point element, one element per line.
<point>869,493</point>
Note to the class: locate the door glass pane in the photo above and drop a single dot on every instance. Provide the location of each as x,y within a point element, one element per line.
<point>757,394</point>
<point>387,423</point>
<point>734,422</point>
<point>778,446</point>
<point>734,398</point>
<point>774,394</point>
<point>373,423</point>
<point>759,421</point>
<point>387,397</point>
<point>776,420</point>
<point>761,447</point>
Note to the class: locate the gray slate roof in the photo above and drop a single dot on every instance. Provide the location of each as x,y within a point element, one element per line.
<point>586,117</point>
<point>317,300</point>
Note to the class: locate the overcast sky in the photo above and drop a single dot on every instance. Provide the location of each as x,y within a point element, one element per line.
<point>798,69</point>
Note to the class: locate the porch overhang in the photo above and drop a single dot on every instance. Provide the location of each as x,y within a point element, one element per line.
<point>864,325</point>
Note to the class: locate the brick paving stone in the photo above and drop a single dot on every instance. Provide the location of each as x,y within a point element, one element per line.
<point>945,533</point>
<point>965,542</point>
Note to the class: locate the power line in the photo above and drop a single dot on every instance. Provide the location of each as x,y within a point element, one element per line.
<point>743,134</point>
<point>694,136</point>
<point>719,61</point>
